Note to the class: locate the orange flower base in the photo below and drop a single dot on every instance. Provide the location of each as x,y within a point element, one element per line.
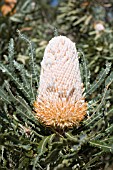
<point>60,114</point>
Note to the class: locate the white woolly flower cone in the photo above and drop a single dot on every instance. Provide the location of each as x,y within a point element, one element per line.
<point>60,102</point>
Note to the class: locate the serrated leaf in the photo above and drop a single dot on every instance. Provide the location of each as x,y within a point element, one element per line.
<point>42,145</point>
<point>71,137</point>
<point>109,79</point>
<point>103,146</point>
<point>53,155</point>
<point>99,80</point>
<point>79,20</point>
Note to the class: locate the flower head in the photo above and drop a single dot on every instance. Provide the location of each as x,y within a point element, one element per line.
<point>99,27</point>
<point>8,6</point>
<point>60,102</point>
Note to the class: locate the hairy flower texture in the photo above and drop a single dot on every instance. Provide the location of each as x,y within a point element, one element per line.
<point>60,102</point>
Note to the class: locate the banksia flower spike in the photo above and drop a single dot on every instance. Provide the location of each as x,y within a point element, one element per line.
<point>60,102</point>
